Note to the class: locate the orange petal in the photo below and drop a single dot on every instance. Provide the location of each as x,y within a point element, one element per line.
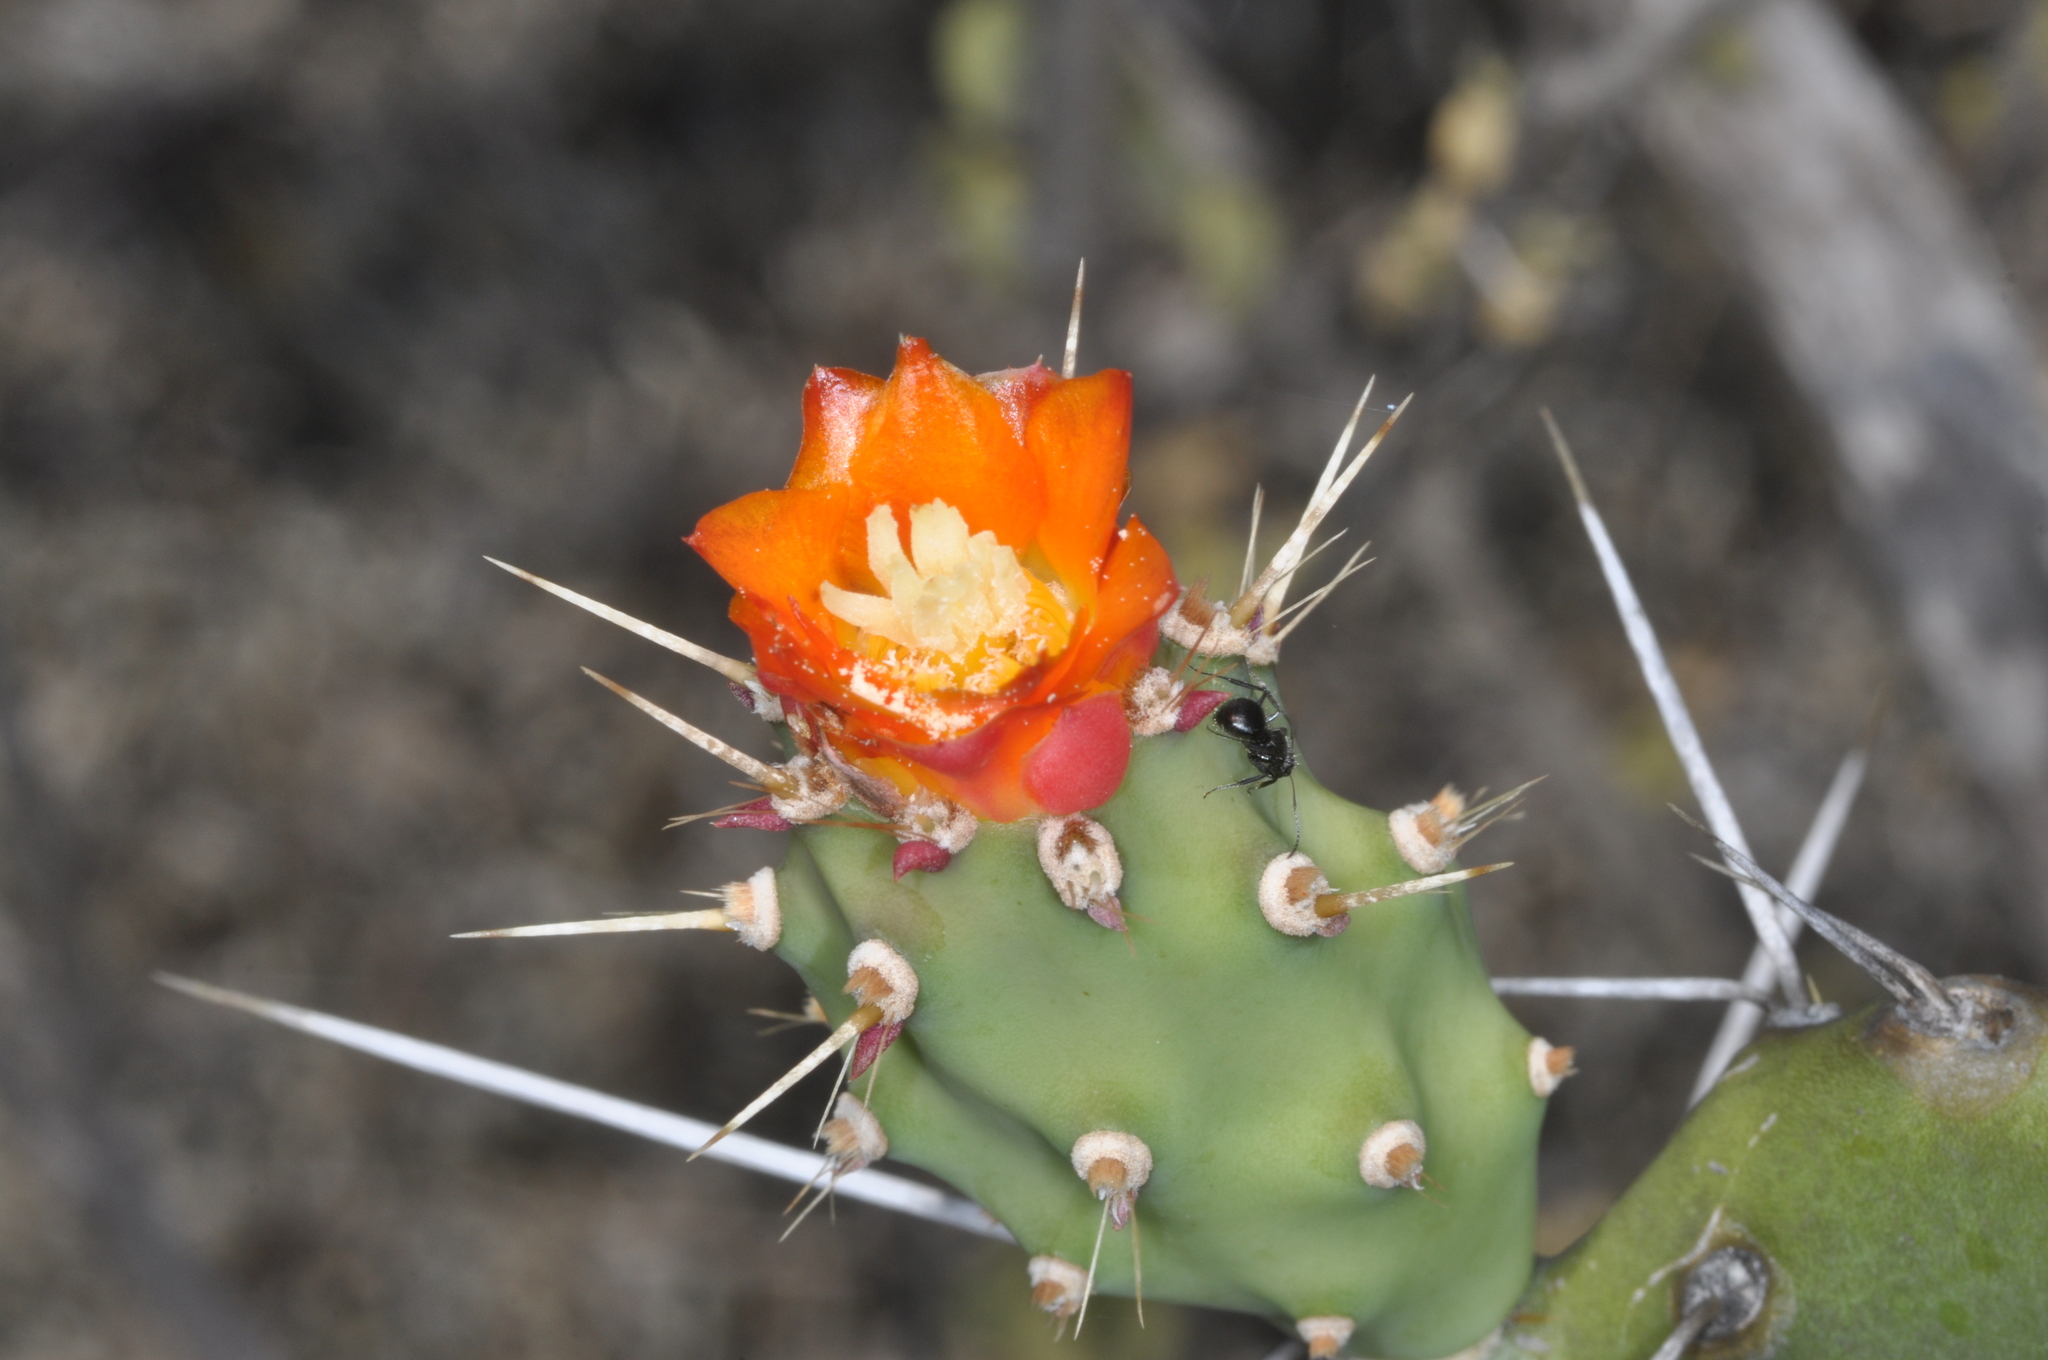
<point>937,435</point>
<point>985,770</point>
<point>1080,436</point>
<point>1019,390</point>
<point>1137,587</point>
<point>839,405</point>
<point>779,545</point>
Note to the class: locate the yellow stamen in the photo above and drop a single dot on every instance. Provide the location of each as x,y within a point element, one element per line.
<point>957,612</point>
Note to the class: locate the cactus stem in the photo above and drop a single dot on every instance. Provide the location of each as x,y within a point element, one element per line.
<point>1677,718</point>
<point>1325,1335</point>
<point>803,790</point>
<point>737,672</point>
<point>1632,989</point>
<point>1549,1065</point>
<point>1391,1156</point>
<point>1073,353</point>
<point>1429,835</point>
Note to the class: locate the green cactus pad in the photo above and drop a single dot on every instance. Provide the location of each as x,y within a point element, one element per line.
<point>1895,1184</point>
<point>1252,1063</point>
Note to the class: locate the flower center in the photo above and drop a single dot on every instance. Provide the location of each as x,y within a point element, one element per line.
<point>958,612</point>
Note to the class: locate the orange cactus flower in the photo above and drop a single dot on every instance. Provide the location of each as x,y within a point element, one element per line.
<point>941,593</point>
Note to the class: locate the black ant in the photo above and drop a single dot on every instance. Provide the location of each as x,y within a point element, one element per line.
<point>1270,749</point>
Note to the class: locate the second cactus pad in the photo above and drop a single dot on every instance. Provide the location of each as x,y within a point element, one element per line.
<point>1253,1064</point>
<point>1884,1190</point>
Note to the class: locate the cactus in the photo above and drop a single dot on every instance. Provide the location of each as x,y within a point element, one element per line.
<point>1870,1186</point>
<point>1885,1182</point>
<point>1252,1063</point>
<point>1094,946</point>
<point>1866,1185</point>
<point>1107,954</point>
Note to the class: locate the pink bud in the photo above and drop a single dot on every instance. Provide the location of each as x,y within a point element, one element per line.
<point>922,856</point>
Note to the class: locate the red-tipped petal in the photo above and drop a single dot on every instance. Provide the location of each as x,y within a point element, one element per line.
<point>1082,760</point>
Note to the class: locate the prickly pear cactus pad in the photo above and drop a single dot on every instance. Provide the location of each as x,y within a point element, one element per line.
<point>1883,1190</point>
<point>1253,1063</point>
<point>1093,944</point>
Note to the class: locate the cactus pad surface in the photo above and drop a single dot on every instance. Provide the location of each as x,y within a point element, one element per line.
<point>1894,1184</point>
<point>1251,1062</point>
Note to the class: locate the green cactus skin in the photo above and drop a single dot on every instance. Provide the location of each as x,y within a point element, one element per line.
<point>1253,1063</point>
<point>1897,1185</point>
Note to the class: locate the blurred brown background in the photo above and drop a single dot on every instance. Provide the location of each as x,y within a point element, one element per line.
<point>306,305</point>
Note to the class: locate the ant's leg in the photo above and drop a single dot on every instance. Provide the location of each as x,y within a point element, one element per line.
<point>1239,784</point>
<point>1253,687</point>
<point>1294,791</point>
